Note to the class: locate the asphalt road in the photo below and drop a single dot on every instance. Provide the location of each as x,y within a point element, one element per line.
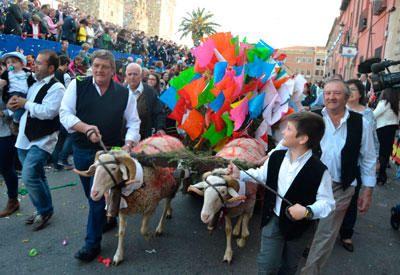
<point>185,248</point>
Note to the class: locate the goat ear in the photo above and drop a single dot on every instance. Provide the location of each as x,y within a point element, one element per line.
<point>232,192</point>
<point>88,173</point>
<point>124,171</point>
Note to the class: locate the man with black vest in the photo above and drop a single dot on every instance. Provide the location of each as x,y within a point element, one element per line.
<point>347,148</point>
<point>149,107</point>
<point>98,104</point>
<point>38,132</point>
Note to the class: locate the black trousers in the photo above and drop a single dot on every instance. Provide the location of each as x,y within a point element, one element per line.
<point>386,138</point>
<point>346,230</point>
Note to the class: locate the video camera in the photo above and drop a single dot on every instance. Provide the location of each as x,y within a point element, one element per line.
<point>380,80</point>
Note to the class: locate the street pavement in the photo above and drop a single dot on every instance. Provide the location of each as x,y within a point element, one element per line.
<point>185,248</point>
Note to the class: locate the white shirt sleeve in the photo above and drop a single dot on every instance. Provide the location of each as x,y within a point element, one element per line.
<point>67,80</point>
<point>68,116</point>
<point>325,202</point>
<point>367,158</point>
<point>132,120</point>
<point>50,105</point>
<point>380,108</point>
<point>259,173</point>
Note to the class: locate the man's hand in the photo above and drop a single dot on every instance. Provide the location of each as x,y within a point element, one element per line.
<point>16,103</point>
<point>233,171</point>
<point>93,137</point>
<point>129,145</point>
<point>364,200</point>
<point>161,133</point>
<point>3,82</point>
<point>297,211</point>
<point>260,162</point>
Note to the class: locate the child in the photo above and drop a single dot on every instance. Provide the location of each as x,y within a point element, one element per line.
<point>15,82</point>
<point>303,180</point>
<point>61,73</point>
<point>75,66</point>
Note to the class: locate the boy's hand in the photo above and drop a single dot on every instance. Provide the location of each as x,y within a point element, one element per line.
<point>233,171</point>
<point>3,82</point>
<point>16,103</point>
<point>297,211</point>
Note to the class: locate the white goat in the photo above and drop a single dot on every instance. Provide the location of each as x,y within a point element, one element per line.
<point>228,189</point>
<point>157,184</point>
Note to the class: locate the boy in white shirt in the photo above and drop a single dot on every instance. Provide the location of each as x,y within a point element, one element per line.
<point>15,82</point>
<point>304,181</point>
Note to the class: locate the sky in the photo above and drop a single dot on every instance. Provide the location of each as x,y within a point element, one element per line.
<point>280,23</point>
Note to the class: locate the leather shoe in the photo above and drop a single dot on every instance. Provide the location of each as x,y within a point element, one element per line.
<point>40,222</point>
<point>348,246</point>
<point>395,219</point>
<point>87,254</point>
<point>110,225</point>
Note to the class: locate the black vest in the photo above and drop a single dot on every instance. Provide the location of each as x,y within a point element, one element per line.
<point>60,76</point>
<point>303,190</point>
<point>6,95</point>
<point>351,149</point>
<point>106,112</point>
<point>36,128</point>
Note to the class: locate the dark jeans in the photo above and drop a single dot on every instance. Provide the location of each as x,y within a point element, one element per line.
<point>83,158</point>
<point>8,152</point>
<point>386,137</point>
<point>346,230</point>
<point>66,150</point>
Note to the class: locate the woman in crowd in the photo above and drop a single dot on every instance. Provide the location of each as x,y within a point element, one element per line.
<point>82,34</point>
<point>309,98</point>
<point>356,103</point>
<point>154,81</point>
<point>51,22</point>
<point>107,43</point>
<point>387,119</point>
<point>89,33</point>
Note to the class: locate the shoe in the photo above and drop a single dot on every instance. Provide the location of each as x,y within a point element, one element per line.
<point>31,219</point>
<point>110,225</point>
<point>395,219</point>
<point>87,254</point>
<point>306,252</point>
<point>11,207</point>
<point>348,246</point>
<point>381,179</point>
<point>66,165</point>
<point>40,222</point>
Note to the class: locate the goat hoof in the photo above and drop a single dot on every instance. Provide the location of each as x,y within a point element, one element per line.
<point>235,236</point>
<point>227,258</point>
<point>158,234</point>
<point>116,261</point>
<point>241,242</point>
<point>169,216</point>
<point>148,236</point>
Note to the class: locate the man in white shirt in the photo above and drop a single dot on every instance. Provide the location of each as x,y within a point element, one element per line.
<point>345,153</point>
<point>38,132</point>
<point>98,104</point>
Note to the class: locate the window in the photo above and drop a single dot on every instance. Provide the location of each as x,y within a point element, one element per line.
<point>297,71</point>
<point>308,73</point>
<point>318,62</point>
<point>309,60</point>
<point>323,62</point>
<point>302,72</point>
<point>304,60</point>
<point>298,60</point>
<point>316,72</point>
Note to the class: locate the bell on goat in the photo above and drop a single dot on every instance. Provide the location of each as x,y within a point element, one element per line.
<point>114,200</point>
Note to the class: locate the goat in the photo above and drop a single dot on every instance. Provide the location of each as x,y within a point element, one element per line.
<point>157,184</point>
<point>225,189</point>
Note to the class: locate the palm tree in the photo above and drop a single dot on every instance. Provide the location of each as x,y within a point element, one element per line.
<point>198,25</point>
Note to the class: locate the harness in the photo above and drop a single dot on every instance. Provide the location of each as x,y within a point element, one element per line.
<point>213,186</point>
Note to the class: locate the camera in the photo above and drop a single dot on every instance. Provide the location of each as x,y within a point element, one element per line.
<point>380,80</point>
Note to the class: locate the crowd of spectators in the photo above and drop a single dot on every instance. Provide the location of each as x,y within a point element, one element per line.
<point>31,19</point>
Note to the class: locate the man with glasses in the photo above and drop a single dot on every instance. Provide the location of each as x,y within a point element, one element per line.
<point>93,109</point>
<point>38,133</point>
<point>149,107</point>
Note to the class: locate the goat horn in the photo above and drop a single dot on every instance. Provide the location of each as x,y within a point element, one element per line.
<point>131,181</point>
<point>195,190</point>
<point>238,198</point>
<point>206,174</point>
<point>98,153</point>
<point>130,165</point>
<point>88,173</point>
<point>232,183</point>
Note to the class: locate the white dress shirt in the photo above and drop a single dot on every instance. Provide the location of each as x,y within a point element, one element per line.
<point>47,110</point>
<point>68,116</point>
<point>18,81</point>
<point>138,91</point>
<point>325,202</point>
<point>385,115</point>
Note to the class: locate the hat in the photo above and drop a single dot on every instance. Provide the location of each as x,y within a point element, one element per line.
<point>17,55</point>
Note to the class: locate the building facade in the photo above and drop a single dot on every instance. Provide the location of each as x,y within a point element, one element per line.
<point>392,48</point>
<point>307,61</point>
<point>362,25</point>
